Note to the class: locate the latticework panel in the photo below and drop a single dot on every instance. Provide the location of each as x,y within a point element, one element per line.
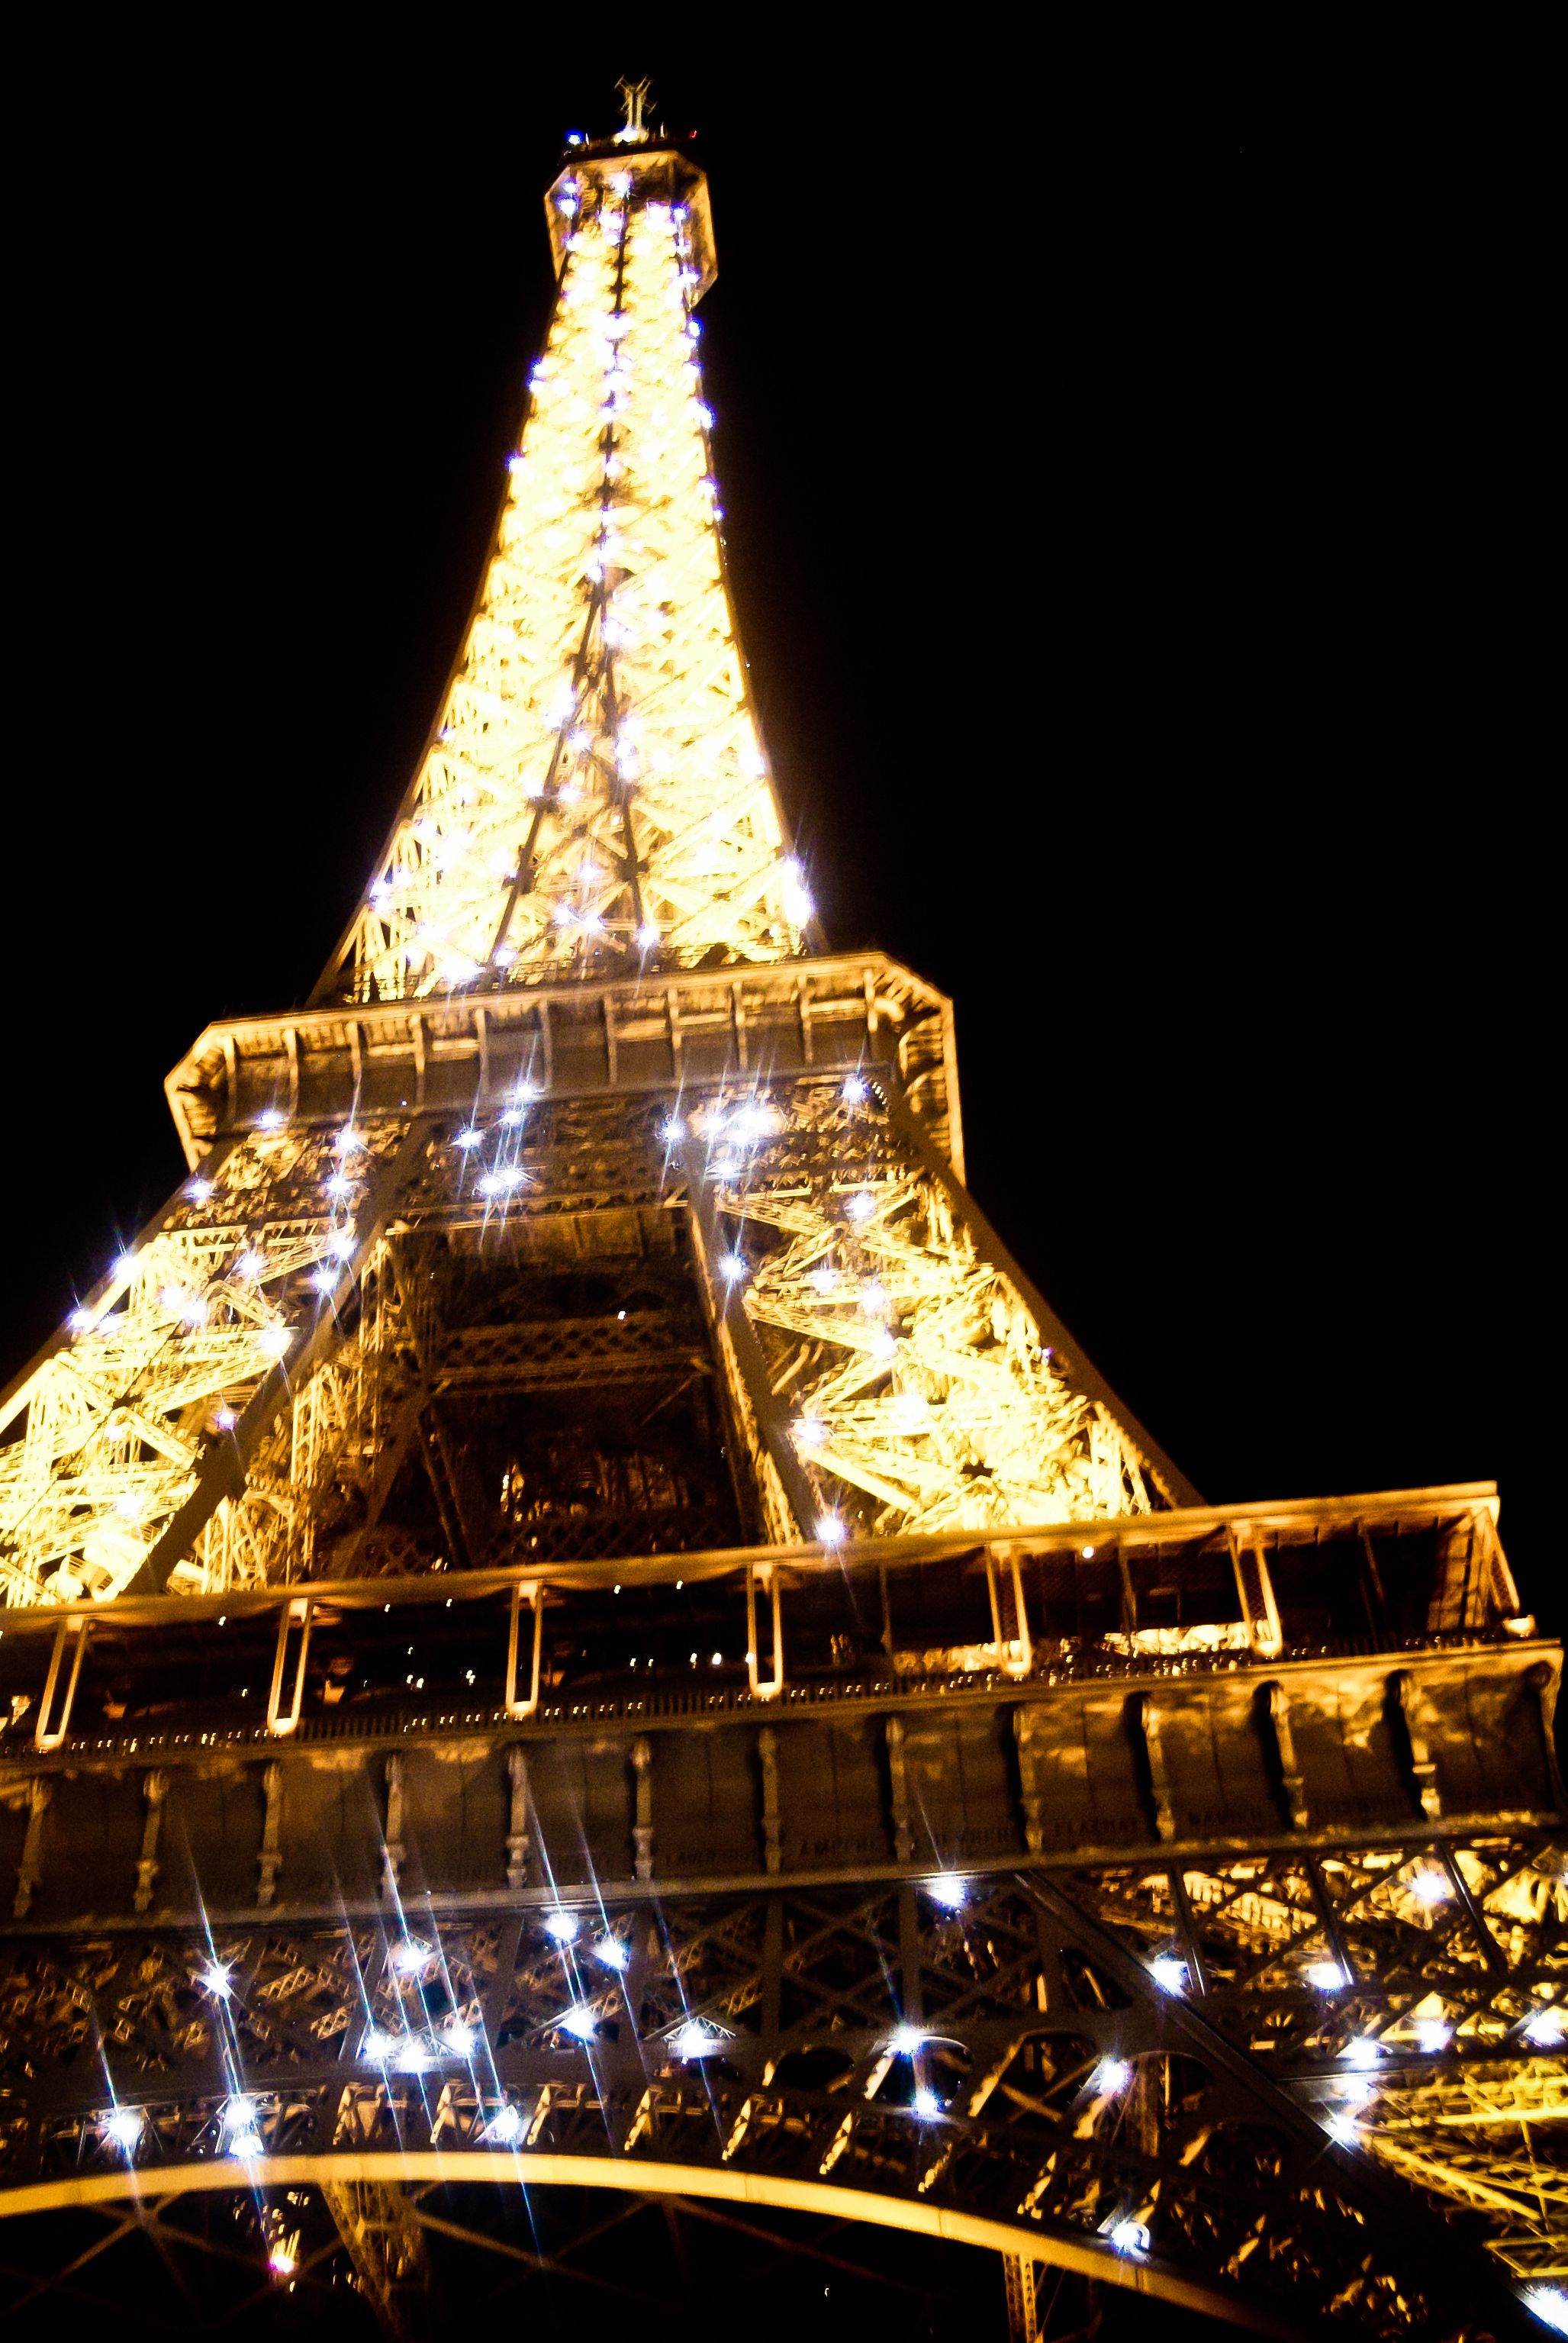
<point>595,797</point>
<point>902,1365</point>
<point>526,1375</point>
<point>106,1437</point>
<point>1414,1997</point>
<point>555,1331</point>
<point>981,2053</point>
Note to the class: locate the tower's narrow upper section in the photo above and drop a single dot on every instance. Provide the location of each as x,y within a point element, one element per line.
<point>595,798</point>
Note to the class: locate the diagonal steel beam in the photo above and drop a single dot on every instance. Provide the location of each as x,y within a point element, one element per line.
<point>730,1313</point>
<point>384,2240</point>
<point>787,2246</point>
<point>545,2264</point>
<point>1085,1374</point>
<point>117,2230</point>
<point>1468,2281</point>
<point>227,1465</point>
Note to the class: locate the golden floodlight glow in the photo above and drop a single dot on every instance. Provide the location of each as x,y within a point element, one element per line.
<point>595,1225</point>
<point>595,800</point>
<point>917,1372</point>
<point>102,1442</point>
<point>594,809</point>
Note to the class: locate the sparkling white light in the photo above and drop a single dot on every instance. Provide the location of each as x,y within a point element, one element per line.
<point>603,629</point>
<point>695,2040</point>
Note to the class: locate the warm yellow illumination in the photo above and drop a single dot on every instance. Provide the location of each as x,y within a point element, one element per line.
<point>594,804</point>
<point>917,1376</point>
<point>595,793</point>
<point>103,1442</point>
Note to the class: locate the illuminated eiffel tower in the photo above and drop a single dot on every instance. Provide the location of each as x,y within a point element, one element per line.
<point>584,1653</point>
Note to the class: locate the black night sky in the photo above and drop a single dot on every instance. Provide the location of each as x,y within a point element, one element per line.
<point>1130,499</point>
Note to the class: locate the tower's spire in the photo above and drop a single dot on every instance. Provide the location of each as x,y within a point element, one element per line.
<point>634,96</point>
<point>595,798</point>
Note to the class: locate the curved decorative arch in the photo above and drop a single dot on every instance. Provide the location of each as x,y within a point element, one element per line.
<point>524,2168</point>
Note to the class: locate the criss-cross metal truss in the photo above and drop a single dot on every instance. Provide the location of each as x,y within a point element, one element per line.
<point>386,2247</point>
<point>905,1370</point>
<point>234,1405</point>
<point>1358,1972</point>
<point>365,1936</point>
<point>596,796</point>
<point>991,2065</point>
<point>192,1331</point>
<point>592,1231</point>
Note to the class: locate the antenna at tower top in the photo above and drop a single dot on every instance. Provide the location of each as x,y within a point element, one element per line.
<point>634,96</point>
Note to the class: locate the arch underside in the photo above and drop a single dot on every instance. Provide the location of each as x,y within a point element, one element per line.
<point>271,2181</point>
<point>1051,2104</point>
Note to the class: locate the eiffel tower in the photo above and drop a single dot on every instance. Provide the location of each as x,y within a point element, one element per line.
<point>597,1697</point>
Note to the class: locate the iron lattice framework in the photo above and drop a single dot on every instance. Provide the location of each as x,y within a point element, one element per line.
<point>574,1622</point>
<point>596,795</point>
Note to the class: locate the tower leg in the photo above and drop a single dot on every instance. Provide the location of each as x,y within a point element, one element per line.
<point>385,2245</point>
<point>1022,2303</point>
